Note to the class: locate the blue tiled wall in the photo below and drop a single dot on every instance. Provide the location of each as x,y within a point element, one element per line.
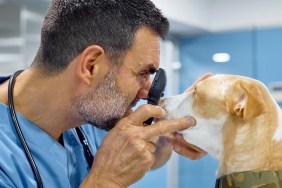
<point>196,55</point>
<point>154,179</point>
<point>269,55</point>
<point>197,174</point>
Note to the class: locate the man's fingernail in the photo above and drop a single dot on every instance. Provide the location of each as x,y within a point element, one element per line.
<point>191,122</point>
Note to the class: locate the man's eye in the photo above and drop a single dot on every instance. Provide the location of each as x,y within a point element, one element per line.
<point>145,74</point>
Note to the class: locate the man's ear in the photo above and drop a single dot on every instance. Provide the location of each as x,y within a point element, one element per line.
<point>89,62</point>
<point>244,100</point>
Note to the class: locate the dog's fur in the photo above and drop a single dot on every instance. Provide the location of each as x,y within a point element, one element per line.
<point>238,122</point>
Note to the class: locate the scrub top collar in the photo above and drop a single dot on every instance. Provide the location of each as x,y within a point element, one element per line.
<point>35,136</point>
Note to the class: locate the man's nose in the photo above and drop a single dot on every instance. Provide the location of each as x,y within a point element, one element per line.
<point>143,92</point>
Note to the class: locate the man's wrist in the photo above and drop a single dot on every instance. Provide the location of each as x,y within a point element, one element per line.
<point>96,181</point>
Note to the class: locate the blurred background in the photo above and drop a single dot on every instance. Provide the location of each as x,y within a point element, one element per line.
<point>219,36</point>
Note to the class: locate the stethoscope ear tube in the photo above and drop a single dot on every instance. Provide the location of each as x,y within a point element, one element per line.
<point>87,152</point>
<point>19,131</point>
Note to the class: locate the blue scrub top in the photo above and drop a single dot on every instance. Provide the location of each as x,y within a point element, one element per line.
<point>58,166</point>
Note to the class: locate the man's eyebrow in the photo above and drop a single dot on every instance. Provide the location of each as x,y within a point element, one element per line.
<point>152,69</point>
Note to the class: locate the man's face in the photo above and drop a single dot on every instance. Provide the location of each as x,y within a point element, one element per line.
<point>106,105</point>
<point>121,89</point>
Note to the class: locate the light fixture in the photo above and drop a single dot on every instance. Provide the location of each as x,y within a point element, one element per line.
<point>221,57</point>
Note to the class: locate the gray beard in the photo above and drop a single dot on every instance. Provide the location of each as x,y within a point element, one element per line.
<point>105,106</point>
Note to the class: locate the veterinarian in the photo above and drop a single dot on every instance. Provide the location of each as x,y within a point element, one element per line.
<point>93,65</point>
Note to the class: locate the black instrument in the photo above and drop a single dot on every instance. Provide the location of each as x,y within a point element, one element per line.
<point>156,91</point>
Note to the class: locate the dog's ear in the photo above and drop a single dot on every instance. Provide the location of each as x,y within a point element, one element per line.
<point>244,100</point>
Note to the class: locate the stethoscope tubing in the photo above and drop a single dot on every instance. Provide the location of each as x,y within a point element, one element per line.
<point>19,131</point>
<point>83,140</point>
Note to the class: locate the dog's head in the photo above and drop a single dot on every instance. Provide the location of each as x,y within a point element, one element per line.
<point>216,102</point>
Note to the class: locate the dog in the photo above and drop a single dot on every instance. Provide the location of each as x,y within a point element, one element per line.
<point>238,122</point>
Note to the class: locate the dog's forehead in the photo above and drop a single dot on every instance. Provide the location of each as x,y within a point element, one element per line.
<point>217,83</point>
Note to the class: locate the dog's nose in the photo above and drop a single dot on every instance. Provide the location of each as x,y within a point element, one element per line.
<point>162,104</point>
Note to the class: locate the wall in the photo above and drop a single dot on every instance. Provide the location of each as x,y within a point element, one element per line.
<point>153,179</point>
<point>222,15</point>
<point>269,55</point>
<point>196,55</point>
<point>254,53</point>
<point>19,37</point>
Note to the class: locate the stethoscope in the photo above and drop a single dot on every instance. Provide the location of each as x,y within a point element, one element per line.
<point>82,138</point>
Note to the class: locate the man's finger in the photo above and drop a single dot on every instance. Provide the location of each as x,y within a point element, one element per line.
<point>144,112</point>
<point>167,126</point>
<point>205,76</point>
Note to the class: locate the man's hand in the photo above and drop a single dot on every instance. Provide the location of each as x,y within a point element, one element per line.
<point>203,77</point>
<point>127,151</point>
